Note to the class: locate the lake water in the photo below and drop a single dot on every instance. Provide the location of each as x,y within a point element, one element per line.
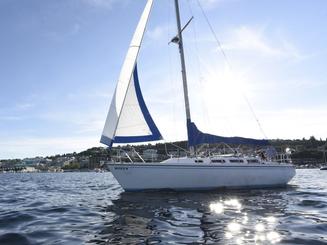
<point>91,208</point>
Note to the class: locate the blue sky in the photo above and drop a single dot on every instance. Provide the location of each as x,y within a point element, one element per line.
<point>60,61</point>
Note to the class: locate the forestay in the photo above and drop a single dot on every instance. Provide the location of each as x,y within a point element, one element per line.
<point>128,119</point>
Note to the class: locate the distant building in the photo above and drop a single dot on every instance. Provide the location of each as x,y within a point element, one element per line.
<point>62,161</point>
<point>29,170</point>
<point>95,161</point>
<point>32,161</point>
<point>84,161</point>
<point>46,161</point>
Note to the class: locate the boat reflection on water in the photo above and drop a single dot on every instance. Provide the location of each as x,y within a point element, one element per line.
<point>233,217</point>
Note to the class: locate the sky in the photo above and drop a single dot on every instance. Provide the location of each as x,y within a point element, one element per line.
<point>60,60</point>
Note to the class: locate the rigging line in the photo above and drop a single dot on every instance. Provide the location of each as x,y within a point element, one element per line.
<point>166,149</point>
<point>174,89</point>
<point>187,24</point>
<point>214,34</point>
<point>201,73</point>
<point>179,147</point>
<point>230,67</point>
<point>227,126</point>
<point>255,116</point>
<point>198,63</point>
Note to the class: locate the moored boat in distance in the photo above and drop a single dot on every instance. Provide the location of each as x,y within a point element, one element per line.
<point>129,121</point>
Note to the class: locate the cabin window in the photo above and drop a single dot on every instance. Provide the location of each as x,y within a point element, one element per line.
<point>198,160</point>
<point>235,160</point>
<point>252,160</point>
<point>217,160</point>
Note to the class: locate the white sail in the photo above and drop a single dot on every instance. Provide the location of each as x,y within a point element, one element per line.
<point>128,119</point>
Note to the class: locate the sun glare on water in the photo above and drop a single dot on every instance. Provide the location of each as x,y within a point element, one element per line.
<point>245,229</point>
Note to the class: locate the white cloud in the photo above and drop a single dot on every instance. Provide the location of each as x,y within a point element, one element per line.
<point>9,113</point>
<point>31,147</point>
<point>103,3</point>
<point>24,106</point>
<point>257,41</point>
<point>211,4</point>
<point>75,29</point>
<point>95,94</point>
<point>95,125</point>
<point>10,118</point>
<point>296,122</point>
<point>90,122</point>
<point>156,33</point>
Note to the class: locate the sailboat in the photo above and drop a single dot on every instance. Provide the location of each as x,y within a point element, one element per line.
<point>129,121</point>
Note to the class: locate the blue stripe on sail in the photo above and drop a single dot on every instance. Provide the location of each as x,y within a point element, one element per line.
<point>196,137</point>
<point>134,139</point>
<point>156,135</point>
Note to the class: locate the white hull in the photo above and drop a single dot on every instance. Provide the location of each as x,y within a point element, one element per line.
<point>135,177</point>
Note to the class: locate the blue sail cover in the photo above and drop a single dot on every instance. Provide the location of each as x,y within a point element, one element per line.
<point>196,137</point>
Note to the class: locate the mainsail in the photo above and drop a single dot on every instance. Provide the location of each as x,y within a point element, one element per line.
<point>128,119</point>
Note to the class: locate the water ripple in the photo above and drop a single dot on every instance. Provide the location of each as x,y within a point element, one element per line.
<point>91,208</point>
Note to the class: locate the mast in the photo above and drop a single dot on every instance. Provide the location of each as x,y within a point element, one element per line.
<point>182,58</point>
